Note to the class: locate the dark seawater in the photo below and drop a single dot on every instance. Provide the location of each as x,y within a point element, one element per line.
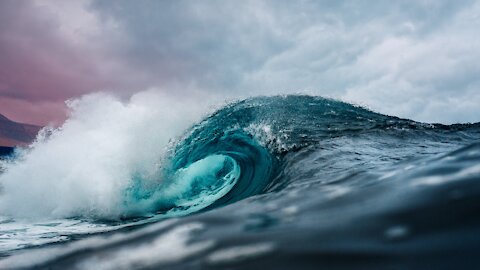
<point>5,151</point>
<point>295,182</point>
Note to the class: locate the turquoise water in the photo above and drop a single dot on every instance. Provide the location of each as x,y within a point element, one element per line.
<point>283,182</point>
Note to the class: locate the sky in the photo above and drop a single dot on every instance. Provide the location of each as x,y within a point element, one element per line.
<point>416,59</point>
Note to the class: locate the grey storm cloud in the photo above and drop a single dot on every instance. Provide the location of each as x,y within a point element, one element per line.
<point>413,59</point>
<point>416,59</point>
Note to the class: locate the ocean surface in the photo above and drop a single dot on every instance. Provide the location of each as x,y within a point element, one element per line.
<point>284,182</point>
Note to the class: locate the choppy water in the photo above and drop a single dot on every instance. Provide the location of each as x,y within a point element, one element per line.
<point>290,182</point>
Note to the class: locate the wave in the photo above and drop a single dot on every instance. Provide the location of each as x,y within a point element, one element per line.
<point>113,160</point>
<point>249,185</point>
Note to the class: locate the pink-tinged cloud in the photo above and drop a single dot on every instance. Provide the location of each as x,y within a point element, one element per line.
<point>34,112</point>
<point>40,68</point>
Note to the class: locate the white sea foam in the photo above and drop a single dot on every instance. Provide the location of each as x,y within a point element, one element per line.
<point>34,257</point>
<point>264,134</point>
<point>84,167</point>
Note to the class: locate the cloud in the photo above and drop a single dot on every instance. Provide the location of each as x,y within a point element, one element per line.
<point>34,111</point>
<point>37,64</point>
<point>414,59</point>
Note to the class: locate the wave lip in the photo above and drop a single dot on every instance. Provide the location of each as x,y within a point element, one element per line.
<point>199,185</point>
<point>247,167</point>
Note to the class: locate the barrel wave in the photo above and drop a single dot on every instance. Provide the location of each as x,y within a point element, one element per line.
<point>283,182</point>
<point>245,148</point>
<point>219,161</point>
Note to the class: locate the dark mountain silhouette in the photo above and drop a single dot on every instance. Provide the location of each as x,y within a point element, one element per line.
<point>16,134</point>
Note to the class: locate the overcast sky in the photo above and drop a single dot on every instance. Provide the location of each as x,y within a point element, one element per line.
<point>415,59</point>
